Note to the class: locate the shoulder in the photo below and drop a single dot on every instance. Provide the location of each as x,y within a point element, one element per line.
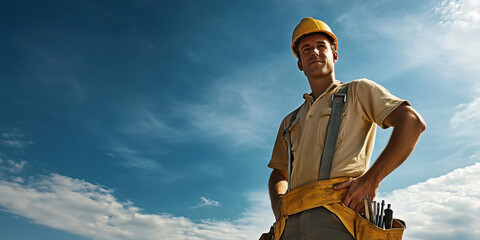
<point>290,118</point>
<point>292,115</point>
<point>362,87</point>
<point>363,83</point>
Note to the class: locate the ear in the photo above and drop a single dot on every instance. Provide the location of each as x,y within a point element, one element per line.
<point>299,64</point>
<point>335,56</point>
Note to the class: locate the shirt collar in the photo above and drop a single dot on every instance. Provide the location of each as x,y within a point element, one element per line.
<point>334,85</point>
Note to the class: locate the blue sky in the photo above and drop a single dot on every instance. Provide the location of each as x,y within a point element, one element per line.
<point>156,119</point>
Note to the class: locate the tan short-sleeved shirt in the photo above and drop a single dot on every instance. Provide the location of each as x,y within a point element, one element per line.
<point>367,105</point>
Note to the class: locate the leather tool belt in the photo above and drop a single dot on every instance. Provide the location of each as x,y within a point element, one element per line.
<point>321,194</point>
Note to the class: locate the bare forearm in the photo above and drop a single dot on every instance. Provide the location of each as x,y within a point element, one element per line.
<point>277,186</point>
<point>405,135</point>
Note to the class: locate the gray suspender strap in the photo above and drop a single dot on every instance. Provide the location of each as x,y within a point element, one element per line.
<point>286,133</point>
<point>339,99</point>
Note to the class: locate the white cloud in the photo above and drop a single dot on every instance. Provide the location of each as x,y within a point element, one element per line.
<point>205,202</point>
<point>92,211</point>
<point>458,33</point>
<point>459,13</point>
<point>445,207</point>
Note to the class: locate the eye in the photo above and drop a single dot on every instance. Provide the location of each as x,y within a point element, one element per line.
<point>305,49</point>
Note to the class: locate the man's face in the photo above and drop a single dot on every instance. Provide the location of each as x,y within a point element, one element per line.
<point>316,56</point>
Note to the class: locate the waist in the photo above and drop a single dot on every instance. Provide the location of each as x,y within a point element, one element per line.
<point>312,195</point>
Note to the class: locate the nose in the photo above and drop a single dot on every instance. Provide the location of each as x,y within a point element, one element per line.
<point>316,52</point>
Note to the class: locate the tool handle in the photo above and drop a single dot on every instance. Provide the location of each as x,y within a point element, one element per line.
<point>381,218</point>
<point>388,217</point>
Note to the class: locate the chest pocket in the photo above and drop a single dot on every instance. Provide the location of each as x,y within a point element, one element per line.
<point>323,120</point>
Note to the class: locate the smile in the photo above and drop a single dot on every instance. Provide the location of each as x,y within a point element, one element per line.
<point>315,61</point>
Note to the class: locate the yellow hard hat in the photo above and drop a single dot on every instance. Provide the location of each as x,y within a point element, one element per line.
<point>309,25</point>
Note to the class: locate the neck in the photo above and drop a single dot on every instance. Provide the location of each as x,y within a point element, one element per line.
<point>318,85</point>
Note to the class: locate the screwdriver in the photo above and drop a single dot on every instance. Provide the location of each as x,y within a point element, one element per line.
<point>370,209</point>
<point>380,222</point>
<point>367,209</point>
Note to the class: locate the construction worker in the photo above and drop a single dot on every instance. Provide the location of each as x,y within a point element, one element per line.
<point>325,209</point>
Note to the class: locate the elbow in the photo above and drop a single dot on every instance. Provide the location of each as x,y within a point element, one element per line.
<point>417,121</point>
<point>277,183</point>
<point>420,122</point>
<point>422,125</point>
<point>408,118</point>
<point>277,175</point>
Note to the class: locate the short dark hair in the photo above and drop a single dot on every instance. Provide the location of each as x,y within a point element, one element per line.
<point>330,39</point>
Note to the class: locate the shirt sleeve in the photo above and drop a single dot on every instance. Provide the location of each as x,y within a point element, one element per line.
<point>279,158</point>
<point>376,101</point>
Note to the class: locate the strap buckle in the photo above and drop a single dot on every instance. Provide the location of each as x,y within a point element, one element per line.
<point>342,95</point>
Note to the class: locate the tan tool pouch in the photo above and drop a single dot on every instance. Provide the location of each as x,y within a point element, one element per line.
<point>363,229</point>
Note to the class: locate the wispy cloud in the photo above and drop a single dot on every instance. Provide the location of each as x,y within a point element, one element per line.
<point>205,202</point>
<point>14,166</point>
<point>464,127</point>
<point>140,121</point>
<point>54,72</point>
<point>466,119</point>
<point>9,166</point>
<point>437,34</point>
<point>14,138</point>
<point>133,159</point>
<point>241,107</point>
<point>143,163</point>
<point>14,144</point>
